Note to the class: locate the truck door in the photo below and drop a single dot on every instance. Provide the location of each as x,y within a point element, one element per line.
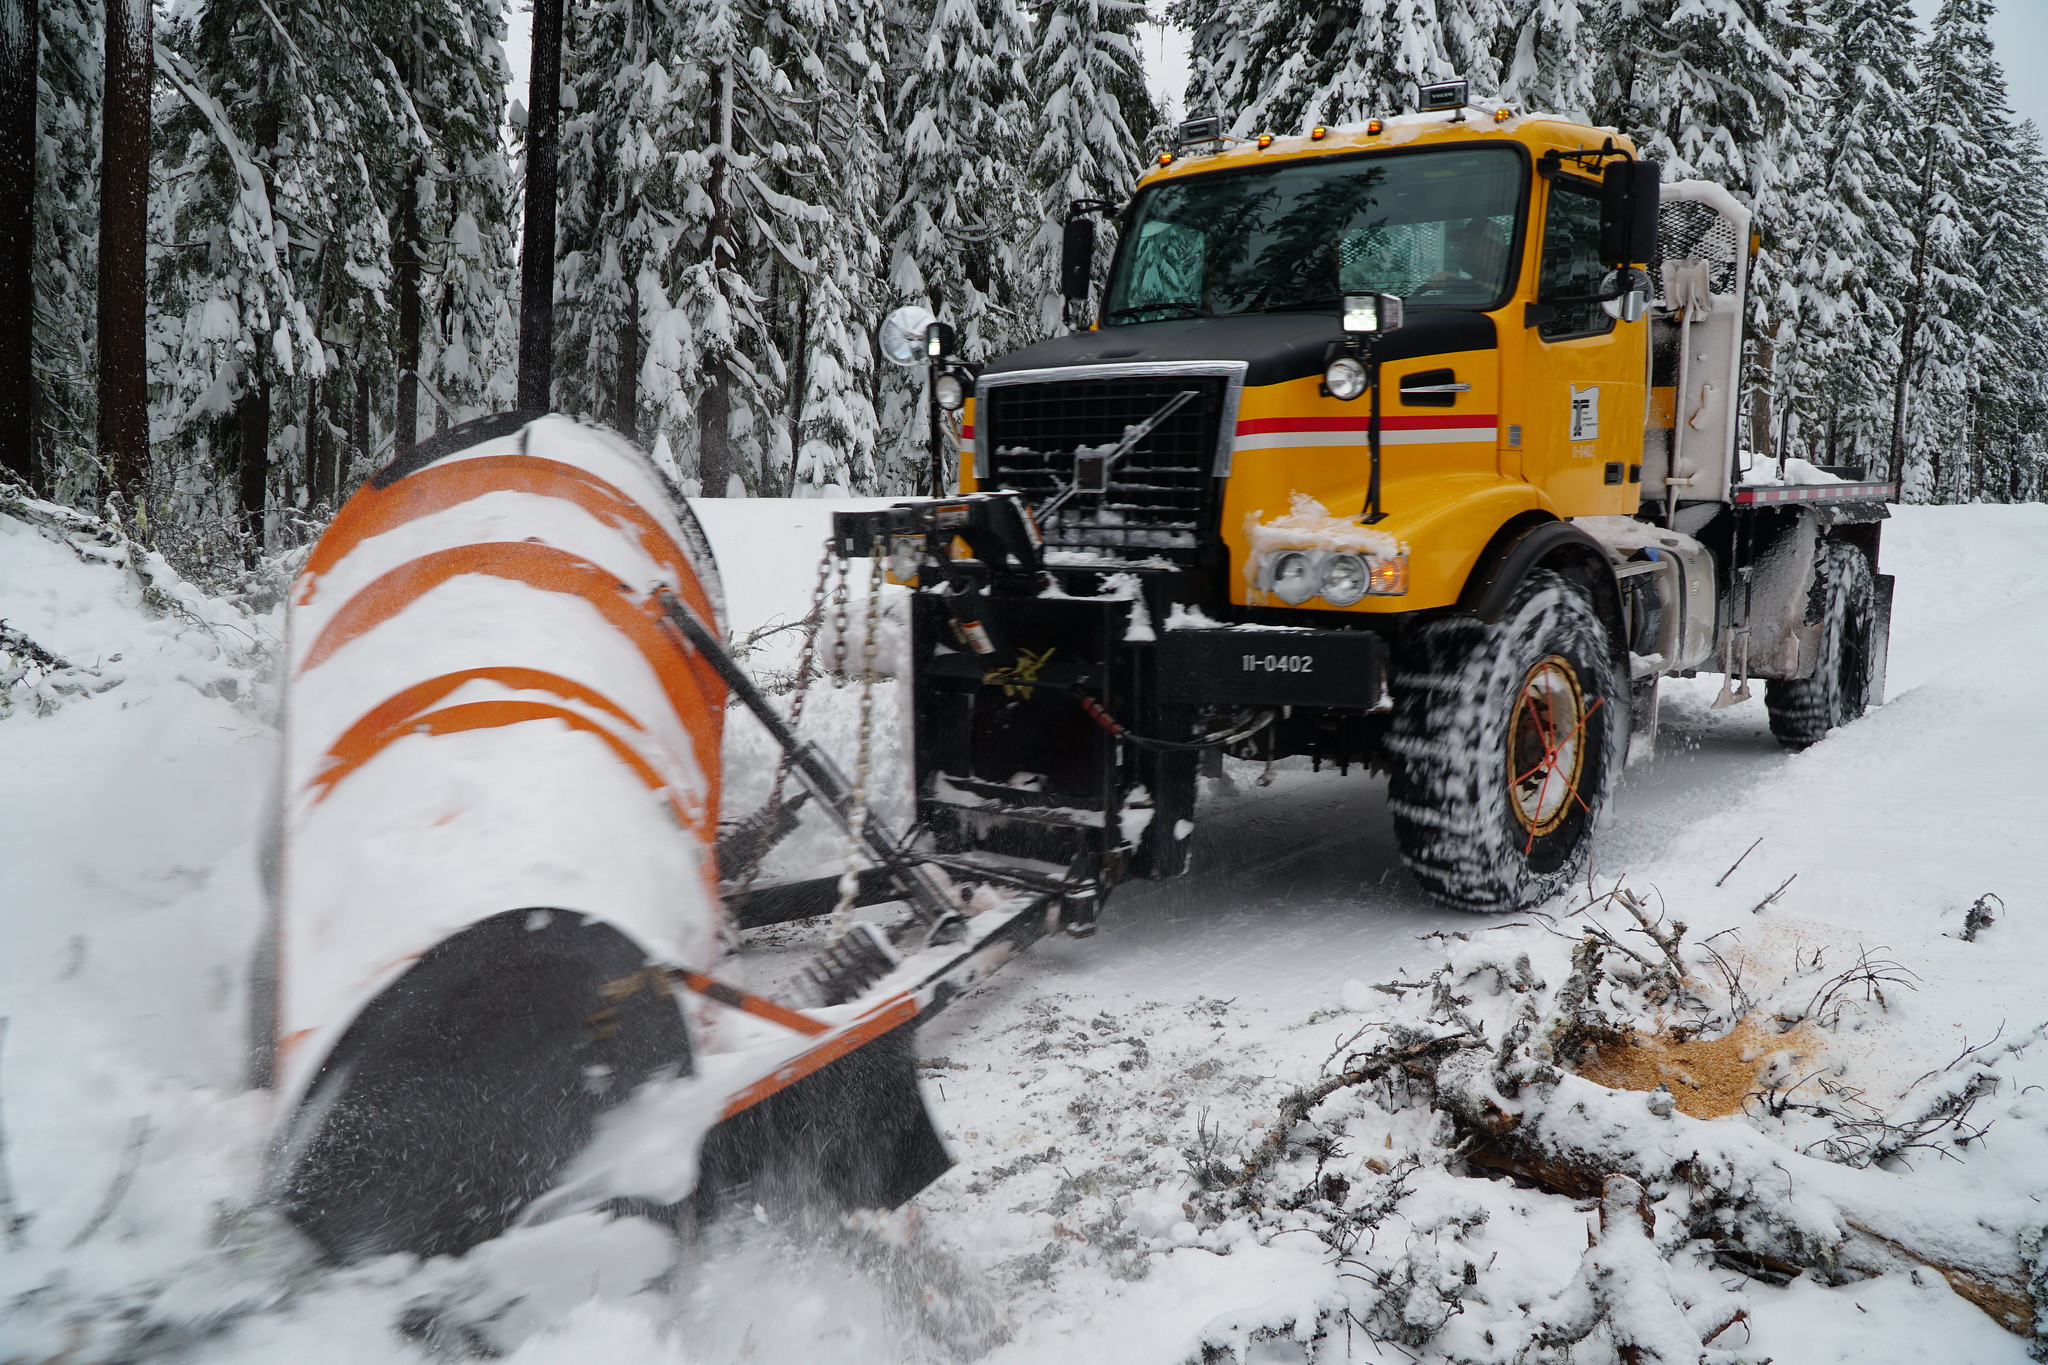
<point>1582,411</point>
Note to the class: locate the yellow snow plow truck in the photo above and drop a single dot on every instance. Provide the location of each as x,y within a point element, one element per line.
<point>1411,445</point>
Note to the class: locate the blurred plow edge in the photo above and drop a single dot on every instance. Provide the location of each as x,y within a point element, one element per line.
<point>498,837</point>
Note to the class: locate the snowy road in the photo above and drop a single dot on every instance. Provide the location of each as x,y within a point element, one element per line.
<point>1075,1091</point>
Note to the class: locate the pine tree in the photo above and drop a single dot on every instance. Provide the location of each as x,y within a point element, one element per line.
<point>959,207</point>
<point>1095,119</point>
<point>1961,120</point>
<point>20,44</point>
<point>454,239</point>
<point>66,243</point>
<point>280,218</point>
<point>1846,267</point>
<point>1294,63</point>
<point>832,324</point>
<point>120,333</point>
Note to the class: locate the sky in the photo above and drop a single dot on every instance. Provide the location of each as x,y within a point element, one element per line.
<point>2020,29</point>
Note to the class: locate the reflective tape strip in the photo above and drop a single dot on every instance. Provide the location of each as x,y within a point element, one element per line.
<point>1280,433</point>
<point>1819,492</point>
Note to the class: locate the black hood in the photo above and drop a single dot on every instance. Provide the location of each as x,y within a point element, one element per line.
<point>1277,346</point>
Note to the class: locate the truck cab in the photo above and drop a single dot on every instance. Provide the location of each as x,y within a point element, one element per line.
<point>1409,445</point>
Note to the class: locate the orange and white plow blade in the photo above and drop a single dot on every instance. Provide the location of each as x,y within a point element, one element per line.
<point>500,792</point>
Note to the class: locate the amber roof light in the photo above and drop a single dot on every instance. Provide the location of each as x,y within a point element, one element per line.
<point>1265,141</point>
<point>1166,158</point>
<point>1318,133</point>
<point>1373,126</point>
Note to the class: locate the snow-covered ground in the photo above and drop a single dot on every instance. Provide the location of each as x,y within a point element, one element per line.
<point>1077,1091</point>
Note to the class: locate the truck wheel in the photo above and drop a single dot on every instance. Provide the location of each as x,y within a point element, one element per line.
<point>1504,741</point>
<point>1803,710</point>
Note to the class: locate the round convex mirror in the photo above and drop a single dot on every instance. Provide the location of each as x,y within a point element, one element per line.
<point>1629,294</point>
<point>902,335</point>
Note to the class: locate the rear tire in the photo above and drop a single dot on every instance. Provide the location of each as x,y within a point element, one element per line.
<point>1803,710</point>
<point>1505,741</point>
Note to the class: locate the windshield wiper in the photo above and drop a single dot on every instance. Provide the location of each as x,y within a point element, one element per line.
<point>1186,310</point>
<point>1322,302</point>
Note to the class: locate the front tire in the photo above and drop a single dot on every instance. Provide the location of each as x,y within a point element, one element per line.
<point>1505,741</point>
<point>1803,710</point>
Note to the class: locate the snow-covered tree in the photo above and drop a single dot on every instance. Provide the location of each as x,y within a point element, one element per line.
<point>66,259</point>
<point>959,206</point>
<point>1845,272</point>
<point>1094,121</point>
<point>1958,136</point>
<point>453,241</point>
<point>278,151</point>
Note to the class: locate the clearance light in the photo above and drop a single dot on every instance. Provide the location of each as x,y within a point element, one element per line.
<point>1389,577</point>
<point>1503,115</point>
<point>1373,126</point>
<point>1265,141</point>
<point>1318,133</point>
<point>1166,158</point>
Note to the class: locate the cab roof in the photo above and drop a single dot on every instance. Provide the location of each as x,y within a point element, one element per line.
<point>1540,133</point>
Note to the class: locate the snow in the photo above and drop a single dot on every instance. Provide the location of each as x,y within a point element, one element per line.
<point>1080,1087</point>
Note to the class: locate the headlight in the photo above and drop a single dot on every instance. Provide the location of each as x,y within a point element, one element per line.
<point>1344,580</point>
<point>950,392</point>
<point>1294,578</point>
<point>1345,378</point>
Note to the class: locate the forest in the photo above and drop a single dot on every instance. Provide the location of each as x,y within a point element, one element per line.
<point>251,248</point>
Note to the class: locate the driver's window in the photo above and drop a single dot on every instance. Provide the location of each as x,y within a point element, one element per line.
<point>1571,262</point>
<point>1170,261</point>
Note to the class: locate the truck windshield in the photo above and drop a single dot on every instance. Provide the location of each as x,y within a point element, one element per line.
<point>1434,227</point>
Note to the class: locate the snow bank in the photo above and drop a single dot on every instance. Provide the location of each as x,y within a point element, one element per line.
<point>1093,1088</point>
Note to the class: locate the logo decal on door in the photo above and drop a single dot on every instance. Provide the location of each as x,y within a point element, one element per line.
<point>1585,413</point>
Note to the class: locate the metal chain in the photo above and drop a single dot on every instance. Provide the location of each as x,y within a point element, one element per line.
<point>863,763</point>
<point>839,596</point>
<point>806,668</point>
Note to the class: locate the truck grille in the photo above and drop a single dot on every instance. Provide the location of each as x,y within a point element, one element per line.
<point>1159,497</point>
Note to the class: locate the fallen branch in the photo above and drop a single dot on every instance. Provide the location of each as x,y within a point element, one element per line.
<point>1420,1057</point>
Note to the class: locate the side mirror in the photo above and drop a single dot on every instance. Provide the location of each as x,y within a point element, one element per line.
<point>1077,258</point>
<point>1628,213</point>
<point>1625,294</point>
<point>903,333</point>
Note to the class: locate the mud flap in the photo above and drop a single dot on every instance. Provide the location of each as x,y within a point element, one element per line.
<point>854,1134</point>
<point>459,1094</point>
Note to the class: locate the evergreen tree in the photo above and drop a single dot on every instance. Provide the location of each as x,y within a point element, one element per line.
<point>1959,132</point>
<point>66,264</point>
<point>20,43</point>
<point>959,205</point>
<point>1094,121</point>
<point>280,220</point>
<point>1846,272</point>
<point>453,246</point>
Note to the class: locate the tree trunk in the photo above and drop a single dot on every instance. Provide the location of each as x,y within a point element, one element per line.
<point>19,27</point>
<point>252,414</point>
<point>537,252</point>
<point>714,409</point>
<point>1909,333</point>
<point>407,428</point>
<point>123,246</point>
<point>626,416</point>
<point>359,431</point>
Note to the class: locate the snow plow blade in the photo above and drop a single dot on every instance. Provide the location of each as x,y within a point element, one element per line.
<point>498,909</point>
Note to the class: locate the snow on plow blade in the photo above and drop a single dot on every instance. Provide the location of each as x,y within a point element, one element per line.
<point>500,803</point>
